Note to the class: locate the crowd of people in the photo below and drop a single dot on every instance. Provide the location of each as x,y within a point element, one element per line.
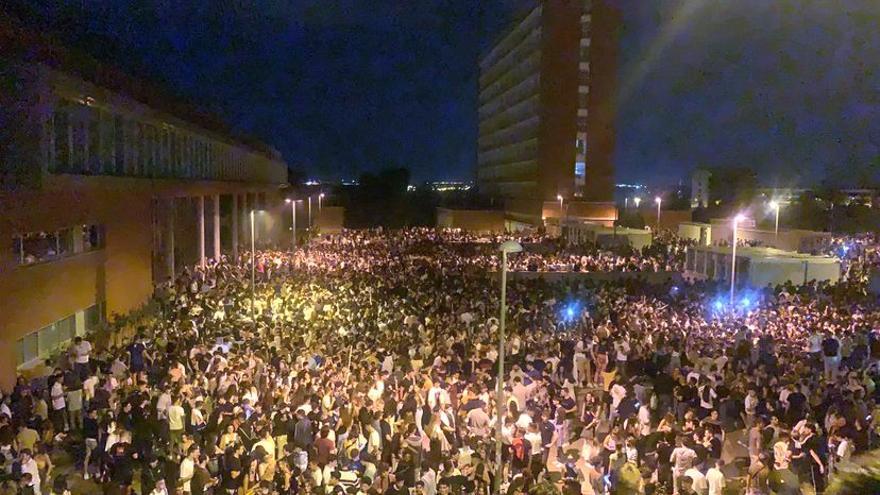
<point>366,363</point>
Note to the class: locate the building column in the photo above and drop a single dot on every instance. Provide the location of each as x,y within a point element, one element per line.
<point>217,227</point>
<point>235,227</point>
<point>169,241</point>
<point>201,219</point>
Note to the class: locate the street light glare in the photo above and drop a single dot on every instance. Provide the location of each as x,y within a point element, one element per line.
<point>657,200</point>
<point>287,200</point>
<point>774,204</point>
<point>739,218</point>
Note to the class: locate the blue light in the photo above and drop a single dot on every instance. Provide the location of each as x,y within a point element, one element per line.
<point>571,311</point>
<point>746,302</point>
<point>719,305</point>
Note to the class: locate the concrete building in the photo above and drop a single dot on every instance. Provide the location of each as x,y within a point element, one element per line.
<point>758,267</point>
<point>700,188</point>
<point>106,190</point>
<point>547,108</point>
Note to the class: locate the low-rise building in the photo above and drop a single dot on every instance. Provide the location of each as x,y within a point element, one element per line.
<point>759,266</point>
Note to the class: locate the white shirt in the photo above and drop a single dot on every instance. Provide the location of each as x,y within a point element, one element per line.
<point>31,467</point>
<point>700,485</point>
<point>82,351</point>
<point>58,396</point>
<point>715,480</point>
<point>187,470</point>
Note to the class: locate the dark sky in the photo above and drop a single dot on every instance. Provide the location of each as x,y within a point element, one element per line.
<point>790,87</point>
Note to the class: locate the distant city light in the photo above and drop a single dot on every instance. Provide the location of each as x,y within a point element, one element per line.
<point>313,182</point>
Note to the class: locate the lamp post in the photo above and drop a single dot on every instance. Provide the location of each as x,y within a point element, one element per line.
<point>736,220</point>
<point>320,197</point>
<point>253,271</point>
<point>293,203</point>
<point>658,200</point>
<point>310,213</point>
<point>507,247</point>
<point>626,203</point>
<point>775,205</point>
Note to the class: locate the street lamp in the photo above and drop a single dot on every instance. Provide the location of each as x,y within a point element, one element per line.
<point>320,197</point>
<point>507,247</point>
<point>626,203</point>
<point>293,203</point>
<point>310,213</point>
<point>775,205</point>
<point>658,200</point>
<point>253,269</point>
<point>637,200</point>
<point>737,219</point>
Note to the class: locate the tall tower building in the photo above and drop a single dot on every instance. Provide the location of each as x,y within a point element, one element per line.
<point>547,108</point>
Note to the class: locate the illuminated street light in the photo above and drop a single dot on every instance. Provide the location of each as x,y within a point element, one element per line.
<point>508,247</point>
<point>637,200</point>
<point>736,220</point>
<point>253,268</point>
<point>320,197</point>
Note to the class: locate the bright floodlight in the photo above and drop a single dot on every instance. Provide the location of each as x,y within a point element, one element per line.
<point>559,197</point>
<point>739,218</point>
<point>774,205</point>
<point>287,200</point>
<point>510,247</point>
<point>657,200</point>
<point>321,195</point>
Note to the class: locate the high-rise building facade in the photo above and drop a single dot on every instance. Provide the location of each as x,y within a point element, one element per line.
<point>546,114</point>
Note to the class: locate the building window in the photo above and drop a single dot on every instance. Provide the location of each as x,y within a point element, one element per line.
<point>40,247</point>
<point>56,337</point>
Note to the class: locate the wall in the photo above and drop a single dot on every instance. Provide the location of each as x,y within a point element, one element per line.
<point>330,219</point>
<point>695,231</point>
<point>120,274</point>
<point>788,240</point>
<point>652,278</point>
<point>471,220</point>
<point>669,219</point>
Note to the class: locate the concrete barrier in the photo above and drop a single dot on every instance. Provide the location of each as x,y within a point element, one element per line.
<point>650,278</point>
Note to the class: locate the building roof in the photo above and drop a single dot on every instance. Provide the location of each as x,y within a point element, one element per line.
<point>24,44</point>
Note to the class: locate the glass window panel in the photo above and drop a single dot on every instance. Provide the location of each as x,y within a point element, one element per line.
<point>47,339</point>
<point>65,330</point>
<point>28,349</point>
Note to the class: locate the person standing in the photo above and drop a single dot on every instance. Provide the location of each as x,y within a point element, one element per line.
<point>29,466</point>
<point>682,459</point>
<point>59,405</point>
<point>715,478</point>
<point>81,350</point>
<point>831,355</point>
<point>188,469</point>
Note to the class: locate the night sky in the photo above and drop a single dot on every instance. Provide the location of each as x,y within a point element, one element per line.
<point>789,87</point>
